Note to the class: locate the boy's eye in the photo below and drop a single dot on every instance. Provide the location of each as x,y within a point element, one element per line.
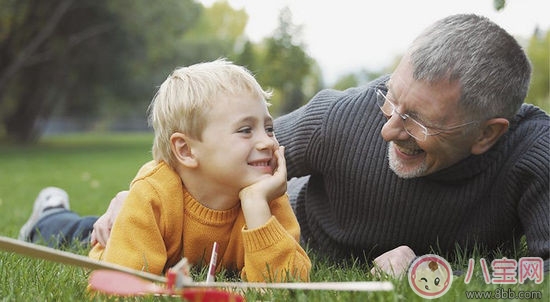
<point>269,129</point>
<point>245,130</point>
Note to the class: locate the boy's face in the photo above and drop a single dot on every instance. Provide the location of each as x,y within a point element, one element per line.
<point>237,143</point>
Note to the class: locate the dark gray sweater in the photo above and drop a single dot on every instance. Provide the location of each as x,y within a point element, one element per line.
<point>354,205</point>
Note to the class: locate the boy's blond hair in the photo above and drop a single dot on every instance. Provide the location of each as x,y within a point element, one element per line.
<point>186,95</point>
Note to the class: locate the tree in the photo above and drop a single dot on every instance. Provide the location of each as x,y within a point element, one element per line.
<point>539,54</point>
<point>346,81</point>
<point>98,60</point>
<point>499,4</point>
<point>37,47</point>
<point>218,32</point>
<point>76,56</point>
<point>364,76</point>
<point>247,57</point>
<point>285,65</point>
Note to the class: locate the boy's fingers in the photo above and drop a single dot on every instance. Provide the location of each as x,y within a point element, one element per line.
<point>281,161</point>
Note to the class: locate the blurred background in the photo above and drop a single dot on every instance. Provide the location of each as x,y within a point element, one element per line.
<point>94,65</point>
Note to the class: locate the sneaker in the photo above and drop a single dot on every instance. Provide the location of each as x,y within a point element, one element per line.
<point>48,198</point>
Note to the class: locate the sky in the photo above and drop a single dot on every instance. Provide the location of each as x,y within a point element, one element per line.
<point>346,36</point>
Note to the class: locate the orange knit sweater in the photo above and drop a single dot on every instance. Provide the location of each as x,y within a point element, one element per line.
<point>160,222</point>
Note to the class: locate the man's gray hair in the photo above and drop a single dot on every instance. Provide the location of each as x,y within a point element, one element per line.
<point>489,64</point>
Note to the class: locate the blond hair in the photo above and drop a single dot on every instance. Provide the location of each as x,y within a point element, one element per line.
<point>186,95</point>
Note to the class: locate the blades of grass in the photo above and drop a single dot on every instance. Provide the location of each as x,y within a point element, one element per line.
<point>50,254</point>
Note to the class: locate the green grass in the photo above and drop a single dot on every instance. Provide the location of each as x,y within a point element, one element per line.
<point>92,168</point>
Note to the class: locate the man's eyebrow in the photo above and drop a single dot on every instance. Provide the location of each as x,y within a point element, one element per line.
<point>414,114</point>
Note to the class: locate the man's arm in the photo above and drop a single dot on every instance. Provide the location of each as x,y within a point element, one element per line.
<point>104,224</point>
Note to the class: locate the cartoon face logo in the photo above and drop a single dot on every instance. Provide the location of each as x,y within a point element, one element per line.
<point>430,276</point>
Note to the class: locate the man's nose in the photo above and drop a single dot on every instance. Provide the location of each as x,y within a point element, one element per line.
<point>393,129</point>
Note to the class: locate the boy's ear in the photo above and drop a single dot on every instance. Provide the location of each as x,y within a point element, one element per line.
<point>181,149</point>
<point>492,130</point>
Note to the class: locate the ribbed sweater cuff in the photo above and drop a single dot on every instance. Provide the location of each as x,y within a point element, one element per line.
<point>263,237</point>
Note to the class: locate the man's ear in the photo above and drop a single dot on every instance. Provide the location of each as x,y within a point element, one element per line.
<point>181,149</point>
<point>492,130</point>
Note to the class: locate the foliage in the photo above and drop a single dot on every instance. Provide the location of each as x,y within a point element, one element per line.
<point>538,51</point>
<point>282,64</point>
<point>216,34</point>
<point>99,58</point>
<point>99,61</point>
<point>499,4</point>
<point>359,78</point>
<point>75,56</point>
<point>92,168</point>
<point>31,50</point>
<point>346,81</point>
<point>220,21</point>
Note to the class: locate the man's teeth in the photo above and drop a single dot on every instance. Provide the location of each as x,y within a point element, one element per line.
<point>260,164</point>
<point>409,151</point>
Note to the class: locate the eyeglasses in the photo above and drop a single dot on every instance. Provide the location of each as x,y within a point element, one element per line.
<point>412,126</point>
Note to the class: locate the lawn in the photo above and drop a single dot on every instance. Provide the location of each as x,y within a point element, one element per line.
<point>93,167</point>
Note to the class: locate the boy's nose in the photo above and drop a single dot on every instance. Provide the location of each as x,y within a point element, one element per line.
<point>266,142</point>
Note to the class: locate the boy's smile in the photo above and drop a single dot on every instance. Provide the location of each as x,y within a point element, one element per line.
<point>263,165</point>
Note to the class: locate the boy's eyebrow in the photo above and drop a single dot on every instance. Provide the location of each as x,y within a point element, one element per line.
<point>251,119</point>
<point>247,118</point>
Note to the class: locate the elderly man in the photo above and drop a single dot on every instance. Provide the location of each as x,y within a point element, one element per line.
<point>443,154</point>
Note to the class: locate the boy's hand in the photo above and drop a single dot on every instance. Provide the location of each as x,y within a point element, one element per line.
<point>255,198</point>
<point>272,186</point>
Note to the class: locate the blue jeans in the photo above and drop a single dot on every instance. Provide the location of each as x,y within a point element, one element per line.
<point>63,228</point>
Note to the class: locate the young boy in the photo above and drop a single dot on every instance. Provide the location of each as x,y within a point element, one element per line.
<point>218,175</point>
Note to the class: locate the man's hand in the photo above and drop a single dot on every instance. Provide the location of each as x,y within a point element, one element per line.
<point>394,263</point>
<point>103,225</point>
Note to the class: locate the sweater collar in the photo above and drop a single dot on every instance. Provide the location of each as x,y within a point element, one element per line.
<point>465,169</point>
<point>206,215</point>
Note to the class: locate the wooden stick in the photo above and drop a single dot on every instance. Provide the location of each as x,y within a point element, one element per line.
<point>50,254</point>
<point>211,277</point>
<point>335,286</point>
<point>120,283</point>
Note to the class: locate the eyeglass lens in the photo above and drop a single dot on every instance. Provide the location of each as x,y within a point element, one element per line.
<point>412,127</point>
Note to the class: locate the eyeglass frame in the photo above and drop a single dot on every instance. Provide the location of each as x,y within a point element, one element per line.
<point>424,129</point>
